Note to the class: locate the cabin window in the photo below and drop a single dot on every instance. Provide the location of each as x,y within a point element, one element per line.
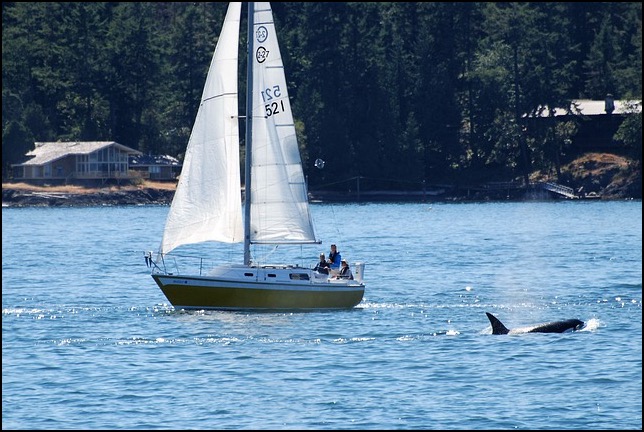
<point>271,275</point>
<point>249,274</point>
<point>299,276</point>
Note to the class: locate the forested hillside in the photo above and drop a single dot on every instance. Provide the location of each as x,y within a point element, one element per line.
<point>396,93</point>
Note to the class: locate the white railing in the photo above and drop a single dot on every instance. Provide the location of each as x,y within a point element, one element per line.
<point>566,191</point>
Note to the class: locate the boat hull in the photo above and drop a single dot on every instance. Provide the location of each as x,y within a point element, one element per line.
<point>202,292</point>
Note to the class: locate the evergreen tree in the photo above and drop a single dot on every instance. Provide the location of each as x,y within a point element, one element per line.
<point>393,93</point>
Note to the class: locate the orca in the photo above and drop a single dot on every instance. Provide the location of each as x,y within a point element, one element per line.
<point>550,327</point>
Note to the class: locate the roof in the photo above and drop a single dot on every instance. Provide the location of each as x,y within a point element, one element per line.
<point>46,152</point>
<point>147,160</point>
<point>592,107</point>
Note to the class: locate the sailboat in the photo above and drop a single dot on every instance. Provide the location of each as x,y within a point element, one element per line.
<point>208,205</point>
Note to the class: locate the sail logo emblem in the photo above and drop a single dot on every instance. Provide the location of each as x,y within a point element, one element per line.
<point>261,34</point>
<point>261,54</point>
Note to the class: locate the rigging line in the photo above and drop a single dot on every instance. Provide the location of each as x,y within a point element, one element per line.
<point>265,256</point>
<point>369,178</point>
<point>335,220</point>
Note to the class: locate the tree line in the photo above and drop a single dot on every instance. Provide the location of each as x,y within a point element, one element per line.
<point>402,93</point>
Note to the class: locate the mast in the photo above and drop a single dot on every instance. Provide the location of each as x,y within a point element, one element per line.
<point>249,131</point>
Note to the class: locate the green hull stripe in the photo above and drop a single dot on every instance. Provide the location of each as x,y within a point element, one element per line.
<point>192,296</point>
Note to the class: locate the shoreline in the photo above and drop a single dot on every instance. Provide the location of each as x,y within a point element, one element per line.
<point>602,176</point>
<point>74,196</point>
<point>113,196</point>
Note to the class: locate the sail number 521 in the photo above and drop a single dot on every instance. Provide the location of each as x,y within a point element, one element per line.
<point>273,106</point>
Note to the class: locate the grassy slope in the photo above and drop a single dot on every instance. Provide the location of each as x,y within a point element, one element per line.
<point>71,189</point>
<point>605,174</point>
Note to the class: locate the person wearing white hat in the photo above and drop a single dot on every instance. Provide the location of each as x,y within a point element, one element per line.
<point>345,271</point>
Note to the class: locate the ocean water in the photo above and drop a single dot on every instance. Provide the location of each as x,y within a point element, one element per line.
<point>90,342</point>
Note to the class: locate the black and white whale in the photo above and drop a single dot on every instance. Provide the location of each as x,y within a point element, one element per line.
<point>550,327</point>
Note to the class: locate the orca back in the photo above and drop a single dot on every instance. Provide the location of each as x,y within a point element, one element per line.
<point>558,326</point>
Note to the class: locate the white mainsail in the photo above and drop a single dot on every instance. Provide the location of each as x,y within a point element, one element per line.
<point>207,202</point>
<point>279,202</point>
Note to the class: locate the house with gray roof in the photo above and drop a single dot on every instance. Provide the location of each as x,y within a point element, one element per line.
<point>62,162</point>
<point>597,121</point>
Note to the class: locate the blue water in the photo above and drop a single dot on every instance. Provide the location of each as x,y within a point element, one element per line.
<point>90,342</point>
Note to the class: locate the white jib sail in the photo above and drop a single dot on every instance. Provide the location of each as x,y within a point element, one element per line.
<point>279,202</point>
<point>207,202</point>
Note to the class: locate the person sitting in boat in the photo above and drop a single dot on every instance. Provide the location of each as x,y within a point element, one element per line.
<point>334,259</point>
<point>322,266</point>
<point>345,271</point>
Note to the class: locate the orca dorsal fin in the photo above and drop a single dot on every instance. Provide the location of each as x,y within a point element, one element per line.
<point>497,326</point>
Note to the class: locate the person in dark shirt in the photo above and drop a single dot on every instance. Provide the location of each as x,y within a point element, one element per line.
<point>322,266</point>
